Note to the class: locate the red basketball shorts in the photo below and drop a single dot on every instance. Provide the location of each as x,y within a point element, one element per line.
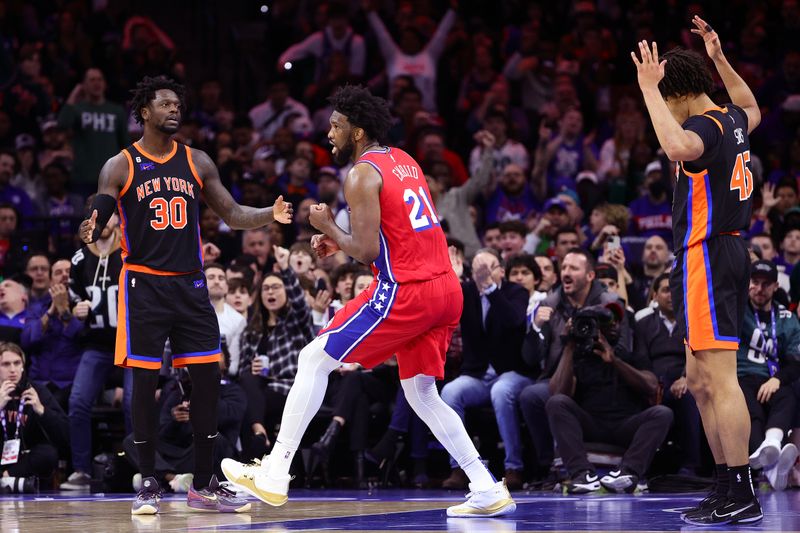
<point>414,321</point>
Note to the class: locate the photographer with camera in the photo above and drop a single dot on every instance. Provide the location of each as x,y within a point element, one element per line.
<point>601,393</point>
<point>32,425</point>
<point>544,341</point>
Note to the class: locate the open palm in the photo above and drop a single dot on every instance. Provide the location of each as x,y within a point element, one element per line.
<point>282,211</point>
<point>710,37</point>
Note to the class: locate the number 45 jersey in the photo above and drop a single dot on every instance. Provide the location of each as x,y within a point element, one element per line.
<point>94,277</point>
<point>713,194</point>
<point>159,208</point>
<point>413,246</point>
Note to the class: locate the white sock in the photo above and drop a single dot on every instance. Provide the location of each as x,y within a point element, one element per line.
<point>302,403</point>
<point>448,429</point>
<point>774,435</point>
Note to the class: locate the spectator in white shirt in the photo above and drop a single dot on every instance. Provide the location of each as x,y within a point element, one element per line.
<point>231,322</point>
<point>270,115</point>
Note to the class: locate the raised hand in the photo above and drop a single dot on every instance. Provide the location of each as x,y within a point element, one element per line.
<point>281,256</point>
<point>324,245</point>
<point>710,37</point>
<point>649,70</point>
<point>87,228</point>
<point>282,211</point>
<point>321,216</point>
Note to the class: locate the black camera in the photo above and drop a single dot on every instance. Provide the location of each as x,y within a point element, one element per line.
<point>19,485</point>
<point>184,384</point>
<point>587,324</point>
<point>22,386</point>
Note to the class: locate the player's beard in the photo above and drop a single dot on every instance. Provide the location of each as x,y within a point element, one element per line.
<point>343,154</point>
<point>168,129</point>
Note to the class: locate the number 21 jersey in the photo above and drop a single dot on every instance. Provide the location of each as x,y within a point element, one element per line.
<point>413,246</point>
<point>713,194</point>
<point>159,211</point>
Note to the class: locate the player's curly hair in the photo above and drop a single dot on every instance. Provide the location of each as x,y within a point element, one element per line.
<point>686,73</point>
<point>364,110</point>
<point>145,92</point>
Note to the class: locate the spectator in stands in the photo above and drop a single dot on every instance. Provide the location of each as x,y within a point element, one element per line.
<point>452,203</point>
<point>478,80</point>
<point>542,238</point>
<point>507,151</point>
<point>210,223</point>
<point>9,223</point>
<point>512,238</point>
<point>531,68</point>
<point>606,220</point>
<point>14,294</point>
<point>238,295</point>
<point>432,148</point>
<point>93,283</point>
<point>231,322</point>
<point>281,325</point>
<point>560,158</point>
<point>492,237</point>
<point>175,448</point>
<point>9,194</point>
<point>605,369</point>
<point>616,151</point>
<point>566,238</point>
<point>55,147</point>
<point>549,272</point>
<point>270,115</point>
<point>51,336</point>
<point>412,56</point>
<point>492,371</point>
<point>25,96</point>
<point>512,198</point>
<point>63,207</point>
<point>256,242</point>
<point>37,266</point>
<point>31,414</point>
<point>651,212</point>
<point>768,362</point>
<point>337,37</point>
<point>28,176</point>
<point>98,128</point>
<point>763,243</point>
<point>657,339</point>
<point>544,342</point>
<point>523,270</point>
<point>611,277</point>
<point>296,183</point>
<point>790,250</point>
<point>656,260</point>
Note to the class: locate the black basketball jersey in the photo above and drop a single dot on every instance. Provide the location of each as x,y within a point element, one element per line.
<point>713,194</point>
<point>159,210</point>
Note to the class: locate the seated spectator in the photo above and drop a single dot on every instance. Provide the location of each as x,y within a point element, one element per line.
<point>790,251</point>
<point>175,446</point>
<point>655,261</point>
<point>512,238</point>
<point>616,151</point>
<point>238,295</point>
<point>549,271</point>
<point>14,294</point>
<point>523,270</point>
<point>651,212</point>
<point>492,371</point>
<point>606,220</point>
<point>63,207</point>
<point>51,336</point>
<point>544,344</point>
<point>608,275</point>
<point>601,392</point>
<point>270,115</point>
<point>566,238</point>
<point>768,362</point>
<point>281,325</point>
<point>28,176</point>
<point>296,183</point>
<point>506,151</point>
<point>492,237</point>
<point>37,267</point>
<point>256,242</point>
<point>231,322</point>
<point>227,243</point>
<point>657,339</point>
<point>32,415</point>
<point>513,198</point>
<point>765,247</point>
<point>337,37</point>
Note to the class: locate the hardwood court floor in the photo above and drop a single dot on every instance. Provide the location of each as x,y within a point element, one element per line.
<point>379,510</point>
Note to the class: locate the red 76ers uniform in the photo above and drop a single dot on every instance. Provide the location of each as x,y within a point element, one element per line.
<point>415,301</point>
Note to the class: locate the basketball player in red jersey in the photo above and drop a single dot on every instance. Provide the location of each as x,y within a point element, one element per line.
<point>410,309</point>
<point>710,278</point>
<point>157,184</point>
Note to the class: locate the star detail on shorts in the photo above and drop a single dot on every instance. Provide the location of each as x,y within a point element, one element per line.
<point>379,306</point>
<point>382,297</point>
<point>385,287</point>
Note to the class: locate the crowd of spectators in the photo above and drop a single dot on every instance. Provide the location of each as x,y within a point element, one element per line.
<point>547,179</point>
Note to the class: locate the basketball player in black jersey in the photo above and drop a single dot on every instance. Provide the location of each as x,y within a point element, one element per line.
<point>711,206</point>
<point>157,185</point>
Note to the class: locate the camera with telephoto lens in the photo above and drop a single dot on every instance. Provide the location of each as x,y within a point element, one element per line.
<point>587,324</point>
<point>19,485</point>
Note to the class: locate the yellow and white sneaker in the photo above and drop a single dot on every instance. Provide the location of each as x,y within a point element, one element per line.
<point>243,475</point>
<point>495,501</point>
<point>270,490</point>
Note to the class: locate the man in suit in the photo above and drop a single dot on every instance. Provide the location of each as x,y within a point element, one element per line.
<point>492,370</point>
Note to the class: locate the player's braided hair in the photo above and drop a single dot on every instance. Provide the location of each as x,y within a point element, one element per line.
<point>145,92</point>
<point>686,73</point>
<point>364,110</point>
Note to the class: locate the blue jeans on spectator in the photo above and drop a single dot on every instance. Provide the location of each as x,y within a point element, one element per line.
<point>532,400</point>
<point>90,378</point>
<point>405,420</point>
<point>502,392</point>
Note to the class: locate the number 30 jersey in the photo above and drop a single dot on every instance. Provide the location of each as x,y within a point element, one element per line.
<point>413,246</point>
<point>713,194</point>
<point>159,208</point>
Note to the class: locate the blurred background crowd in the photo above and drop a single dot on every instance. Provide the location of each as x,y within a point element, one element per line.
<point>527,121</point>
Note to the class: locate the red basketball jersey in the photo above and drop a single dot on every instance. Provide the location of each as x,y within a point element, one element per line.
<point>412,244</point>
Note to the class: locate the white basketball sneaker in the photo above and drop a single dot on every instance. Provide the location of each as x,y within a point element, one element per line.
<point>271,490</point>
<point>495,501</point>
<point>242,475</point>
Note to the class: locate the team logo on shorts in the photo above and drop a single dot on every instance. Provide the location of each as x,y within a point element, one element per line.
<point>199,284</point>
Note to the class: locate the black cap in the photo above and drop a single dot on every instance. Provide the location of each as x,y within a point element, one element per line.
<point>605,271</point>
<point>764,269</point>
